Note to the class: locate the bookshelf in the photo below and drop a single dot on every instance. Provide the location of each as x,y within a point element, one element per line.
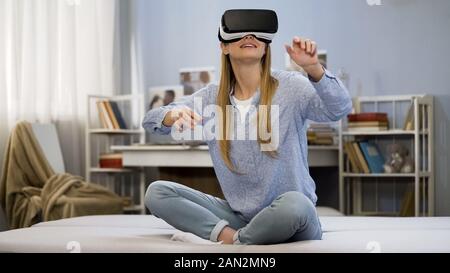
<point>126,182</point>
<point>410,124</point>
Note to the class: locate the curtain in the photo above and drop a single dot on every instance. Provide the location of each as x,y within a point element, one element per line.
<point>52,54</point>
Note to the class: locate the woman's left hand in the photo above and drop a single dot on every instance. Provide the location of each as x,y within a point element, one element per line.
<point>304,53</point>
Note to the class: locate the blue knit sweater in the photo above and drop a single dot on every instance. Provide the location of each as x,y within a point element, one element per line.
<point>262,178</point>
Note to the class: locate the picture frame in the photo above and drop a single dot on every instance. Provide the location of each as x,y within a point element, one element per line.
<point>194,78</point>
<point>164,95</point>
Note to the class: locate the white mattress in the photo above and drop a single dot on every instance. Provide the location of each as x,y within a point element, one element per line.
<point>145,233</point>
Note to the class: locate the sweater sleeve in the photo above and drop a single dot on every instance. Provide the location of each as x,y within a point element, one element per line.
<point>325,100</point>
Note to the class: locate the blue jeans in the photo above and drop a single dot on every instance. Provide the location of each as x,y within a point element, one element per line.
<point>291,216</point>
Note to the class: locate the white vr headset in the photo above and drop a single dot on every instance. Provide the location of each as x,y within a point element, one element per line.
<point>238,23</point>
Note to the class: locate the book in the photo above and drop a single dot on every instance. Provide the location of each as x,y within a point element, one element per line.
<point>373,157</point>
<point>106,118</point>
<point>355,156</point>
<point>321,134</point>
<point>323,141</point>
<point>368,116</point>
<point>368,124</point>
<point>111,115</point>
<point>352,158</point>
<point>100,114</point>
<point>409,120</point>
<point>118,115</point>
<point>367,129</point>
<point>325,134</point>
<point>360,158</point>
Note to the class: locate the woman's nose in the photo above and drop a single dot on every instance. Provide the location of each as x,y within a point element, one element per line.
<point>250,36</point>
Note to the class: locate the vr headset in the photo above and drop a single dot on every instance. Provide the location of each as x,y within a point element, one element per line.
<point>238,23</point>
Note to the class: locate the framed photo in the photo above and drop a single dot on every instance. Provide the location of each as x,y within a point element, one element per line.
<point>195,78</point>
<point>322,54</point>
<point>163,95</point>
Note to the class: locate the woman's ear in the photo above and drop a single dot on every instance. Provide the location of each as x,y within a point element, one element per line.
<point>224,48</point>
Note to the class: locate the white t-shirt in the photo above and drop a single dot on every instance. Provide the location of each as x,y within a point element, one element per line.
<point>243,106</point>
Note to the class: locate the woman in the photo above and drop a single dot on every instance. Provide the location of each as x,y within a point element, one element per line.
<point>270,196</point>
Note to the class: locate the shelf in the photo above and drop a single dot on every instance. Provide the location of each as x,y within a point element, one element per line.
<point>418,140</point>
<point>386,132</point>
<point>323,147</point>
<point>421,174</point>
<point>116,131</point>
<point>99,138</point>
<point>156,147</point>
<point>110,170</point>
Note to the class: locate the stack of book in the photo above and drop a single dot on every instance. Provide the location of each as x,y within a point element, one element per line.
<point>110,116</point>
<point>364,157</point>
<point>112,160</point>
<point>321,134</point>
<point>367,122</point>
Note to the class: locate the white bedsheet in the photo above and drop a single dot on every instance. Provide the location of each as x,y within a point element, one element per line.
<point>145,233</point>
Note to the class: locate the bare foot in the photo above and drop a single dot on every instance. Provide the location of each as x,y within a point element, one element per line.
<point>226,235</point>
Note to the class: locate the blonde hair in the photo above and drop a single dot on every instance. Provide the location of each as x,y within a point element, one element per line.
<point>268,87</point>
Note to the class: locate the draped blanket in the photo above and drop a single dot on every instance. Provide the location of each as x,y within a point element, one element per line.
<point>31,192</point>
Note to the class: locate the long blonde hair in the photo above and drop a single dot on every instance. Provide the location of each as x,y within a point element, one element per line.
<point>268,86</point>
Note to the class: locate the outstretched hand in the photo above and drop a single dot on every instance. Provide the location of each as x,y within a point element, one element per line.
<point>304,53</point>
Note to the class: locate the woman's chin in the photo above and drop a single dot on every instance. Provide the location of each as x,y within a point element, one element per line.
<point>249,58</point>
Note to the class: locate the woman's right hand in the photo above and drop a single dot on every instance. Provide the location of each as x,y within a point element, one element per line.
<point>181,118</point>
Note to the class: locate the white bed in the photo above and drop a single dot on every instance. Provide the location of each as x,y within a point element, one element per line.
<point>145,233</point>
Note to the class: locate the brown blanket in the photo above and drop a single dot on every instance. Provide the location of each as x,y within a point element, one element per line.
<point>30,191</point>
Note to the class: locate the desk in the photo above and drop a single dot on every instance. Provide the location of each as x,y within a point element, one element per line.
<point>198,156</point>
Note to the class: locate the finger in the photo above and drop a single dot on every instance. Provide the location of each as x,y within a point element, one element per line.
<point>303,44</point>
<point>195,116</point>
<point>187,120</point>
<point>313,48</point>
<point>184,124</point>
<point>308,46</point>
<point>177,125</point>
<point>175,114</point>
<point>297,43</point>
<point>289,49</point>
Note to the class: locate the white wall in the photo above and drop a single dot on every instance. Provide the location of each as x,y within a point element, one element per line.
<point>399,47</point>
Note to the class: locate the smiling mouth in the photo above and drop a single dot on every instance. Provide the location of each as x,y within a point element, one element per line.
<point>248,46</point>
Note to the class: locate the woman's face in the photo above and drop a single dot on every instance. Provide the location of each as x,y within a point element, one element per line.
<point>246,49</point>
